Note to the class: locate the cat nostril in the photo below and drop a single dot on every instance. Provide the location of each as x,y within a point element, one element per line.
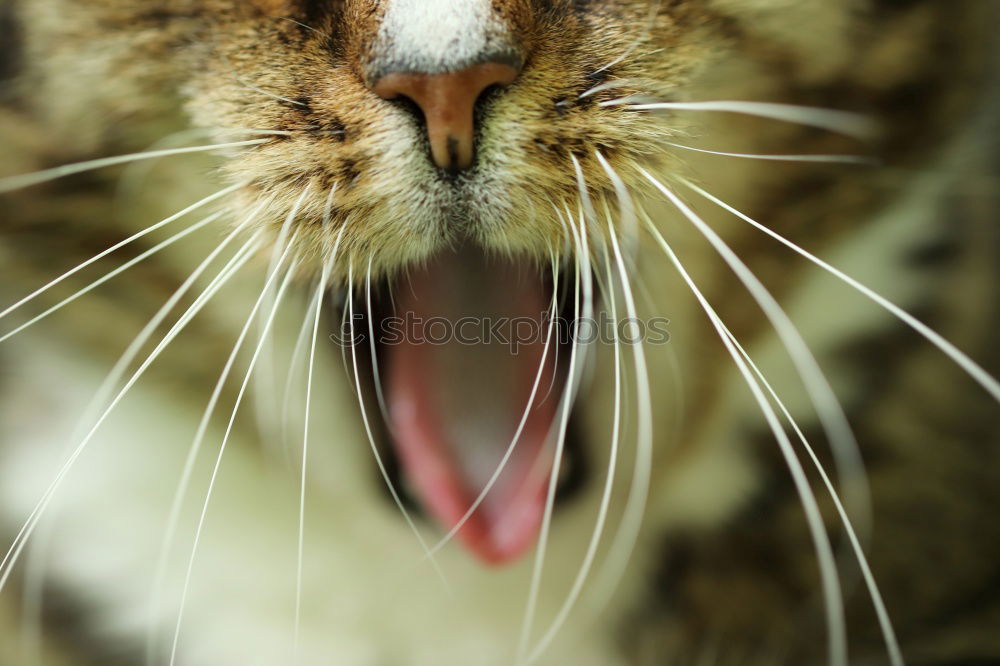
<point>448,102</point>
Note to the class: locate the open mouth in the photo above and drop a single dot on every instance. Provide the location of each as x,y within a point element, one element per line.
<point>470,355</point>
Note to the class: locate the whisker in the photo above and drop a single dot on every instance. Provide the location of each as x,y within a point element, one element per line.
<point>836,626</point>
<point>371,438</point>
<point>266,93</point>
<point>514,440</point>
<point>630,526</point>
<point>831,159</point>
<point>117,246</point>
<point>300,24</point>
<point>129,185</point>
<point>588,276</point>
<point>289,275</point>
<point>586,211</point>
<point>300,555</point>
<point>183,484</point>
<point>324,282</point>
<point>11,183</point>
<point>140,340</point>
<point>974,370</point>
<point>33,593</point>
<point>264,395</point>
<point>287,225</point>
<point>885,623</point>
<point>563,614</point>
<point>594,281</point>
<point>841,122</point>
<point>116,272</point>
<point>328,208</point>
<point>301,342</point>
<point>13,553</point>
<point>237,261</point>
<point>564,414</point>
<point>343,330</point>
<point>611,85</point>
<point>376,376</point>
<point>847,456</point>
<point>556,286</point>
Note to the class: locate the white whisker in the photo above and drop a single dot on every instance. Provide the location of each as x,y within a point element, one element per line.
<point>188,470</point>
<point>977,372</point>
<point>300,24</point>
<point>555,297</point>
<point>588,561</point>
<point>624,541</point>
<point>371,438</point>
<point>885,623</point>
<point>832,159</point>
<point>130,353</point>
<point>246,85</point>
<point>12,555</point>
<point>41,290</point>
<point>847,456</point>
<point>303,336</point>
<point>828,408</point>
<point>298,351</point>
<point>289,275</point>
<point>836,626</point>
<point>653,11</point>
<point>33,593</point>
<point>841,122</point>
<point>564,414</point>
<point>328,208</point>
<point>300,554</point>
<point>514,440</point>
<point>611,85</point>
<point>265,401</point>
<point>376,375</point>
<point>12,183</point>
<point>251,132</point>
<point>116,272</point>
<point>268,94</point>
<point>237,261</point>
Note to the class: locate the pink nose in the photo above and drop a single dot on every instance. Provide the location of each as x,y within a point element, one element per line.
<point>448,103</point>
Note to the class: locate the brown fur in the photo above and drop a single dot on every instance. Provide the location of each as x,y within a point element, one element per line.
<point>116,75</point>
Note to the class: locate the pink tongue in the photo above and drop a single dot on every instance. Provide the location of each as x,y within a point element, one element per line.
<point>456,397</point>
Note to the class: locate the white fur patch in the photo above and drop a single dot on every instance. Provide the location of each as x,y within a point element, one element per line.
<point>437,35</point>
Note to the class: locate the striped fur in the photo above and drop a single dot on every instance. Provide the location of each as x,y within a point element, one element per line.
<point>723,572</point>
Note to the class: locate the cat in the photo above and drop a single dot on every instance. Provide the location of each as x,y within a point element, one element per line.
<point>299,373</point>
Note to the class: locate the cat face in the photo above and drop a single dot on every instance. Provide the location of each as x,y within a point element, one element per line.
<point>407,135</point>
<point>314,73</point>
<point>476,154</point>
<point>488,164</point>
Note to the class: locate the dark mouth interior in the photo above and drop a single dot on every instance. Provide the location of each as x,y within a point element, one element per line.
<point>385,303</point>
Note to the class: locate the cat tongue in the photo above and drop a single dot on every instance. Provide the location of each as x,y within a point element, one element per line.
<point>457,392</point>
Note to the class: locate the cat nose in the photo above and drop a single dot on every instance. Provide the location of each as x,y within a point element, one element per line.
<point>448,102</point>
